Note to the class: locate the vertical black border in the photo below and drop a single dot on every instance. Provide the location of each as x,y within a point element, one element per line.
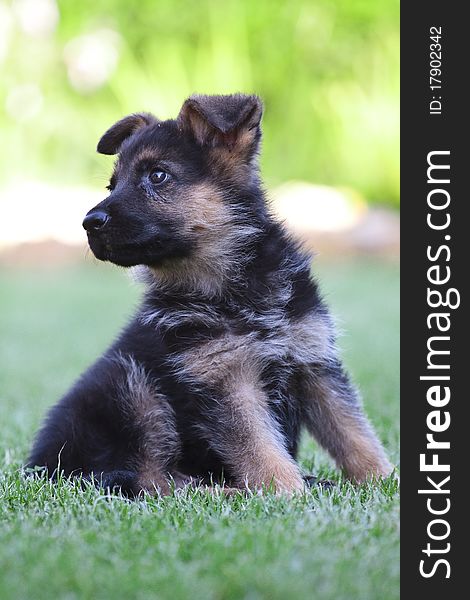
<point>421,133</point>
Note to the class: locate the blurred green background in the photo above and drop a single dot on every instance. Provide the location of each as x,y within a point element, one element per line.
<point>327,72</point>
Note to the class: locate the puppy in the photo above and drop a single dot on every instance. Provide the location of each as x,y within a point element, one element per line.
<point>232,351</point>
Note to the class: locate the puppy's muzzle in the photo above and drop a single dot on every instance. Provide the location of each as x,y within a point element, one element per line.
<point>95,220</point>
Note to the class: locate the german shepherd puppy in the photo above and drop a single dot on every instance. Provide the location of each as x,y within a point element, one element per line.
<point>232,350</point>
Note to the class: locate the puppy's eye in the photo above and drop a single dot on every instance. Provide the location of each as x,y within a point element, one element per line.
<point>157,177</point>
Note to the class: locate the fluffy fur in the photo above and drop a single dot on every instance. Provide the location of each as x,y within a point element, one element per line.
<point>232,350</point>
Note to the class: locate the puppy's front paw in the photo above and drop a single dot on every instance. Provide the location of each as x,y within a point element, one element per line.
<point>284,482</point>
<point>380,469</point>
<point>119,482</point>
<point>312,481</point>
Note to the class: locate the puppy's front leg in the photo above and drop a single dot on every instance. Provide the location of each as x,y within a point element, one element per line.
<point>243,433</point>
<point>335,417</point>
<point>237,422</point>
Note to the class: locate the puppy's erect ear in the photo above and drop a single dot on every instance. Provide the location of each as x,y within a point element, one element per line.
<point>113,138</point>
<point>223,121</point>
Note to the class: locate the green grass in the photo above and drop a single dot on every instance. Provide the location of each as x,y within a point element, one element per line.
<point>64,542</point>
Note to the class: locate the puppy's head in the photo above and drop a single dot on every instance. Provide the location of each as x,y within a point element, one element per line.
<point>182,190</point>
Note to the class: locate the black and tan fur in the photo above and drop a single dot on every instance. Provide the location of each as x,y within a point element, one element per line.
<point>232,351</point>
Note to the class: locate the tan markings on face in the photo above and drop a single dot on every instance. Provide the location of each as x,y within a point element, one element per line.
<point>196,208</point>
<point>145,154</point>
<point>203,209</point>
<point>250,442</point>
<point>155,420</point>
<point>207,220</point>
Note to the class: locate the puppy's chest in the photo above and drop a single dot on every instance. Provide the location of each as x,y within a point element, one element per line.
<point>253,352</point>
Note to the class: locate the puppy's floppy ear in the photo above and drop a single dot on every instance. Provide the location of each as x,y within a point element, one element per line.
<point>228,121</point>
<point>111,141</point>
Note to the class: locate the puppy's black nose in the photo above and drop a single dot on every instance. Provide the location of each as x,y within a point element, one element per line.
<point>95,220</point>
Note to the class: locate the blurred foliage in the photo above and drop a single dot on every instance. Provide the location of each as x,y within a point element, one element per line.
<point>328,72</point>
